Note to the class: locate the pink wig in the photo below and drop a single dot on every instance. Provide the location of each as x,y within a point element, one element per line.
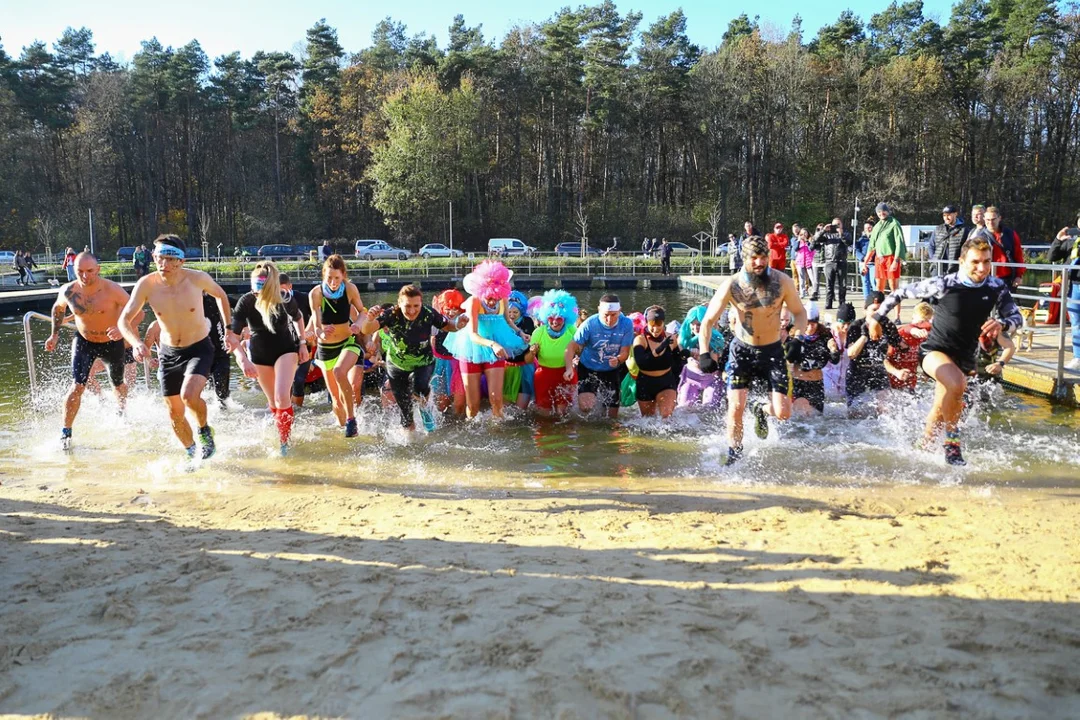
<point>489,279</point>
<point>639,322</point>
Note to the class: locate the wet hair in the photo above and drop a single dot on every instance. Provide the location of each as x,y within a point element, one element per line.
<point>335,262</point>
<point>268,300</point>
<point>753,246</point>
<point>875,296</point>
<point>410,291</point>
<point>978,243</point>
<point>172,241</point>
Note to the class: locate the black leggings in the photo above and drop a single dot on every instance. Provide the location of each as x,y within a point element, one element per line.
<point>403,390</point>
<point>220,372</point>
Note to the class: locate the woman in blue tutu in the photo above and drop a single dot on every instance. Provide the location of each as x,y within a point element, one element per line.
<point>489,340</point>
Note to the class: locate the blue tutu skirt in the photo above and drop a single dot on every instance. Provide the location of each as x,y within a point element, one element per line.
<point>442,381</point>
<point>491,327</point>
<point>528,372</point>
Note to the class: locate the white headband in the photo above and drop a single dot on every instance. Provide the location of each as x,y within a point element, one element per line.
<point>610,307</point>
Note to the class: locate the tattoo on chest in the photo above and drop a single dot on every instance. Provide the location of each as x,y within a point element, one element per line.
<point>79,304</point>
<point>748,295</point>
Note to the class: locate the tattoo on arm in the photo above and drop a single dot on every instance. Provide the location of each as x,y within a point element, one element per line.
<point>57,318</point>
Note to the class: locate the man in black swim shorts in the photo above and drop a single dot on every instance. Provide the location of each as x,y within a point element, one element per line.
<point>96,304</point>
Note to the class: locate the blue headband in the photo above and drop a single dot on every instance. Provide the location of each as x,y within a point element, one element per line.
<point>163,250</point>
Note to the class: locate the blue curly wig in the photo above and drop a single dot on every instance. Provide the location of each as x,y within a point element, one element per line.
<point>688,339</point>
<point>558,303</point>
<point>518,300</point>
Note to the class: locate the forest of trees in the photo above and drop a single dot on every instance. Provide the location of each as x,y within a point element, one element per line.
<point>589,114</point>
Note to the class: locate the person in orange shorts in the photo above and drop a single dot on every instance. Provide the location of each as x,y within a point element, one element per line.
<point>887,250</point>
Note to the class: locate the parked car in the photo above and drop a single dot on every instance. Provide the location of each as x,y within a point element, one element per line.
<point>573,249</point>
<point>509,246</point>
<point>437,250</point>
<point>383,251</point>
<point>361,244</point>
<point>6,258</point>
<point>681,248</point>
<point>278,252</point>
<point>193,253</point>
<point>304,251</point>
<point>125,254</point>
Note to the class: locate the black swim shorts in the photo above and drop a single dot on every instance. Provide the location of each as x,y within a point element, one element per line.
<point>648,386</point>
<point>749,362</point>
<point>178,363</point>
<point>813,391</point>
<point>84,353</point>
<point>605,385</point>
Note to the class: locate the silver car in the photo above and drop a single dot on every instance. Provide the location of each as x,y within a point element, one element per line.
<point>383,251</point>
<point>438,250</point>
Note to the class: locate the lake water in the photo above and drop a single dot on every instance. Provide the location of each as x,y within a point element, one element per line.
<point>1011,440</point>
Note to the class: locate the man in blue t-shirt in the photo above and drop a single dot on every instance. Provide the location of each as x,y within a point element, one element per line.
<point>603,341</point>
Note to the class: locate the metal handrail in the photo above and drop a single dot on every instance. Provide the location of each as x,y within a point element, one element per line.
<point>29,341</point>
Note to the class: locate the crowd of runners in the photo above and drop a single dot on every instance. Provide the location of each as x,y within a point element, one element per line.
<point>491,346</point>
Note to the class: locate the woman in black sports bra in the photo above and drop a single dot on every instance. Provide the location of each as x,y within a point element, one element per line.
<point>653,353</point>
<point>332,305</point>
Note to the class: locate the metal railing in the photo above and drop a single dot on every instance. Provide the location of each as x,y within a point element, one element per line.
<point>29,341</point>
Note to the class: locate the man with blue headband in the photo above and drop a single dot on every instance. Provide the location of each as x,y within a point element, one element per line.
<point>186,352</point>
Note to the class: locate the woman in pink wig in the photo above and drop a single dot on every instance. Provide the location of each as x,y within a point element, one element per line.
<point>484,345</point>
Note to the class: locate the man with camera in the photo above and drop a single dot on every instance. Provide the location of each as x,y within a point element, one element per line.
<point>1066,248</point>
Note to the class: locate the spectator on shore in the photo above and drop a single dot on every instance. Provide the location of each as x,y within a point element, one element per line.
<point>69,264</point>
<point>834,250</point>
<point>1005,244</point>
<point>749,231</point>
<point>862,249</point>
<point>325,251</point>
<point>778,247</point>
<point>28,261</point>
<point>140,260</point>
<point>665,257</point>
<point>977,222</point>
<point>793,248</point>
<point>948,238</point>
<point>804,261</point>
<point>887,249</point>
<point>1066,249</point>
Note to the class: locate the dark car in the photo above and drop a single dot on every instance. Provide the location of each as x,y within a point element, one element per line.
<point>125,254</point>
<point>193,253</point>
<point>277,251</point>
<point>305,250</point>
<point>573,249</point>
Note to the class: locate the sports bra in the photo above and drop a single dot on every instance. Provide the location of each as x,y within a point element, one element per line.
<point>336,312</point>
<point>647,359</point>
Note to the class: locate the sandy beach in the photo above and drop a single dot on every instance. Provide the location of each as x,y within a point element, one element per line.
<point>429,601</point>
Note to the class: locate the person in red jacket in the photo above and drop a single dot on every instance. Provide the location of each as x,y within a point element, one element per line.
<point>1005,243</point>
<point>907,357</point>
<point>778,247</point>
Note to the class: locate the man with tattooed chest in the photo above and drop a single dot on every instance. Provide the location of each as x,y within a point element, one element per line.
<point>96,304</point>
<point>758,295</point>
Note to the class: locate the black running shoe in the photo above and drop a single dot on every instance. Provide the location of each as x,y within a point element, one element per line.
<point>65,439</point>
<point>350,428</point>
<point>761,421</point>
<point>953,456</point>
<point>206,440</point>
<point>733,456</point>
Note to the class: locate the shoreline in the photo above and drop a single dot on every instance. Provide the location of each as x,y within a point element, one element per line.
<point>685,599</point>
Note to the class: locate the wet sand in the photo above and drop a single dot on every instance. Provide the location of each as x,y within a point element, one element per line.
<point>430,601</point>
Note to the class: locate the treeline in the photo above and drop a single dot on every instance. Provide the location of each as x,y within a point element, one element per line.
<point>587,122</point>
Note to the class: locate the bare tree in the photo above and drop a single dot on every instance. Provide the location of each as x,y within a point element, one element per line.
<point>44,227</point>
<point>581,220</point>
<point>715,216</point>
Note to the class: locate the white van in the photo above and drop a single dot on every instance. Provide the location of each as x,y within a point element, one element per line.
<point>509,246</point>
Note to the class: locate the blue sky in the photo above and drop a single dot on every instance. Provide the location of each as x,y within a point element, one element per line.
<point>246,25</point>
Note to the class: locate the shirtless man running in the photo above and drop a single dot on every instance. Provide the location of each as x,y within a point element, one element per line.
<point>758,294</point>
<point>186,352</point>
<point>96,304</point>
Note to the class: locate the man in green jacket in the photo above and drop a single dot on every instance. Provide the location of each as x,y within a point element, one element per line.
<point>887,250</point>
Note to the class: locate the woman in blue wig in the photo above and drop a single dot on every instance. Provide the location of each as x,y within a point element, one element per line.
<point>557,314</point>
<point>518,381</point>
